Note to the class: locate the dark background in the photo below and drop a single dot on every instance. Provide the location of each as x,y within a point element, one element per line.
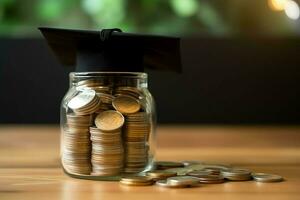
<point>225,80</point>
<point>241,62</point>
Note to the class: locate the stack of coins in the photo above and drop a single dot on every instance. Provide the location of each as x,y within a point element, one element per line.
<point>106,102</point>
<point>168,164</point>
<point>76,144</point>
<point>237,174</point>
<point>128,91</point>
<point>136,181</point>
<point>266,178</point>
<point>96,85</point>
<point>160,174</point>
<point>179,182</point>
<point>136,132</point>
<point>107,147</point>
<point>126,104</point>
<point>85,103</point>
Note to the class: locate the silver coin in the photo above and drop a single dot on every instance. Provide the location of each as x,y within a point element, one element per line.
<point>82,99</point>
<point>164,183</point>
<point>183,180</point>
<point>263,177</point>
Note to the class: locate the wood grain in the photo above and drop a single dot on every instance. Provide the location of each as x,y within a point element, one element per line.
<point>30,169</point>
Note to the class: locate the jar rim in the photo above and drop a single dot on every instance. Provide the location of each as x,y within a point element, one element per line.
<point>141,75</point>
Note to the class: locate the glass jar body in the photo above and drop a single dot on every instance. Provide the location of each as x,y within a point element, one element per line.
<point>108,123</point>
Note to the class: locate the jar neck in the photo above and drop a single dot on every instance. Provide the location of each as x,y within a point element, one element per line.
<point>110,79</point>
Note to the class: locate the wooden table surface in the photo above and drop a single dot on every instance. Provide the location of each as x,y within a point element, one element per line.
<point>30,169</point>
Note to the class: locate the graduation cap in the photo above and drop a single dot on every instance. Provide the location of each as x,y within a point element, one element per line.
<point>113,50</point>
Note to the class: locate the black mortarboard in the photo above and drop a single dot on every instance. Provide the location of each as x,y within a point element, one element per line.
<point>113,50</point>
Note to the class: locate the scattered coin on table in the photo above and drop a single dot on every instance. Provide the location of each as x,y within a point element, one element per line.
<point>160,174</point>
<point>183,180</point>
<point>263,177</point>
<point>136,181</point>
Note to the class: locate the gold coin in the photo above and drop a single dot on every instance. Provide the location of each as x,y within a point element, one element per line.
<point>136,178</point>
<point>109,120</point>
<point>136,183</point>
<point>126,104</point>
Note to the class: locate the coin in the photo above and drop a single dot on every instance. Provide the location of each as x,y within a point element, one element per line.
<point>82,99</point>
<point>164,183</point>
<point>168,164</point>
<point>129,91</point>
<point>76,144</point>
<point>200,173</point>
<point>196,166</point>
<point>263,177</point>
<point>237,174</point>
<point>160,174</point>
<point>216,167</point>
<point>180,171</point>
<point>183,180</point>
<point>136,181</point>
<point>126,104</point>
<point>109,120</point>
<point>178,182</point>
<point>210,178</point>
<point>107,156</point>
<point>136,131</point>
<point>85,102</point>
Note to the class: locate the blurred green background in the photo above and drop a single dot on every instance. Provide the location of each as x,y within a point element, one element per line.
<point>217,18</point>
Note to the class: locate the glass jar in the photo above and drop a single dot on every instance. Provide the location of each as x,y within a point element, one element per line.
<point>108,123</point>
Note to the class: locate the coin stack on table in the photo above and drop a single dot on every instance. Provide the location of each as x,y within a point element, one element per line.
<point>107,147</point>
<point>135,132</point>
<point>77,146</point>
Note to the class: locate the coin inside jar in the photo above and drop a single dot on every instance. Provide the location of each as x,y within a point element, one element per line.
<point>82,99</point>
<point>126,104</point>
<point>109,120</point>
